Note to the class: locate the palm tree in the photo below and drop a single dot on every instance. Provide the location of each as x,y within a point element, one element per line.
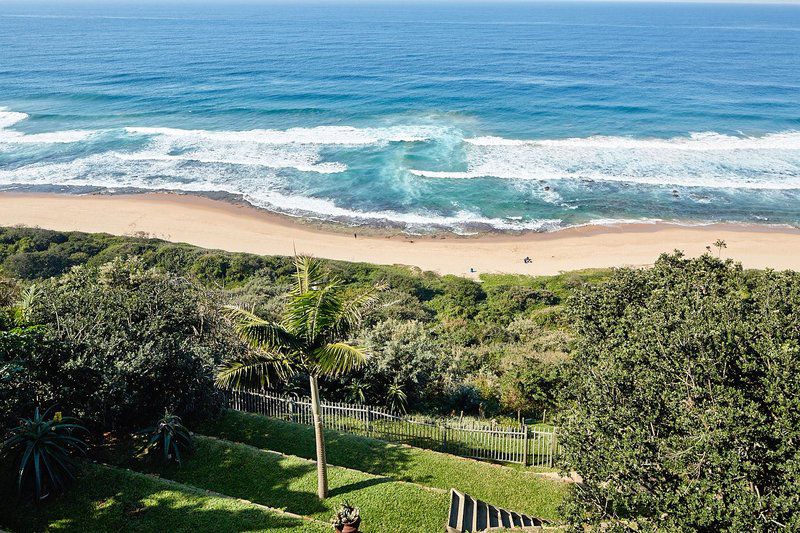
<point>310,338</point>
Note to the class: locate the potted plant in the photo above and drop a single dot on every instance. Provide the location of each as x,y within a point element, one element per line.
<point>347,519</point>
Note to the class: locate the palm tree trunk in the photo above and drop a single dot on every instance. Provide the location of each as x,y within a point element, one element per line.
<point>322,466</point>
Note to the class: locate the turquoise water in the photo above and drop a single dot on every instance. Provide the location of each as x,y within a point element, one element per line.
<point>443,116</point>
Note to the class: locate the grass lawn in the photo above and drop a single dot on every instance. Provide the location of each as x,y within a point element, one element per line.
<point>106,499</point>
<point>510,488</point>
<point>290,483</point>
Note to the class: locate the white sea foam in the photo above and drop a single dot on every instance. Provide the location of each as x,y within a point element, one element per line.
<point>299,157</point>
<point>320,135</point>
<point>297,148</point>
<point>10,118</point>
<point>250,163</point>
<point>699,160</point>
<point>698,141</point>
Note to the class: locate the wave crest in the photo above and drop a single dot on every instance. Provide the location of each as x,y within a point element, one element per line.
<point>706,159</point>
<point>10,118</point>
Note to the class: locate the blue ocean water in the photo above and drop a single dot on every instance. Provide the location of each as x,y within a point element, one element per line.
<point>465,117</point>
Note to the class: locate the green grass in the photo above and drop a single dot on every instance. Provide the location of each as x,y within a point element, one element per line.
<point>510,488</point>
<point>110,499</point>
<point>290,483</point>
<point>105,499</point>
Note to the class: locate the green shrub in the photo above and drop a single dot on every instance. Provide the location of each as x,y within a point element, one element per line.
<point>24,385</point>
<point>460,321</point>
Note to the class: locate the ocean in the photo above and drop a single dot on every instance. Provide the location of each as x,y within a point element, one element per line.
<point>423,117</point>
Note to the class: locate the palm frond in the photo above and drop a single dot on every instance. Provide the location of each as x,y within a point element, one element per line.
<point>260,333</point>
<point>313,312</point>
<point>351,312</point>
<point>253,369</point>
<point>27,301</point>
<point>338,358</point>
<point>308,273</point>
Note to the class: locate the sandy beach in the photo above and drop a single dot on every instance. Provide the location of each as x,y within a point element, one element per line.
<point>222,225</point>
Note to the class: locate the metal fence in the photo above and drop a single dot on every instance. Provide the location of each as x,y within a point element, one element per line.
<point>511,444</point>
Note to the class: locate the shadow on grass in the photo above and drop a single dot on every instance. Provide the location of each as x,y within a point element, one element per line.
<point>270,480</point>
<point>356,452</point>
<point>105,499</point>
<point>358,485</point>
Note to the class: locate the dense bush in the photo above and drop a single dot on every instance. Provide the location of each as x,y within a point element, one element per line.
<point>684,405</point>
<point>120,343</point>
<point>403,353</point>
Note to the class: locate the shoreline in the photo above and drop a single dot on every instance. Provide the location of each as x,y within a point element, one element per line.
<point>240,227</point>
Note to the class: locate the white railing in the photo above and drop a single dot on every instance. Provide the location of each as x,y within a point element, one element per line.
<point>510,444</point>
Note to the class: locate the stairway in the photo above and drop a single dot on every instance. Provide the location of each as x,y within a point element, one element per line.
<point>468,515</point>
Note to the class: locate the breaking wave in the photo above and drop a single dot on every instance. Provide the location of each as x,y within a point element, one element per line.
<point>407,175</point>
<point>699,160</point>
<point>7,136</point>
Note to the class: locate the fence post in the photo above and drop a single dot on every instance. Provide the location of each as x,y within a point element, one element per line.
<point>525,446</point>
<point>290,403</point>
<point>444,437</point>
<point>369,420</point>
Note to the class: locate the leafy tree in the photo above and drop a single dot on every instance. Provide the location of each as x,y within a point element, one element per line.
<point>317,320</point>
<point>683,410</point>
<point>24,384</point>
<point>126,343</point>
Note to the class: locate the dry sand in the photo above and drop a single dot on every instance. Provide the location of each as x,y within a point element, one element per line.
<point>222,225</point>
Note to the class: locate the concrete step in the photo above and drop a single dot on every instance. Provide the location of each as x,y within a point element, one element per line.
<point>468,515</point>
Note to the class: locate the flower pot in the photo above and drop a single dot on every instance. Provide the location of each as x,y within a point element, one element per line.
<point>350,528</point>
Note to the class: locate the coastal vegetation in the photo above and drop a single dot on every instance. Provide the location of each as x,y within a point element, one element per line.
<point>493,348</point>
<point>674,388</point>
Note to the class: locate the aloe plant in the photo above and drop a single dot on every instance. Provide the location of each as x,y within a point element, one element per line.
<point>396,398</point>
<point>168,439</point>
<point>44,449</point>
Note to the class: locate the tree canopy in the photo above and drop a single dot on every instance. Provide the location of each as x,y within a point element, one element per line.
<point>683,398</point>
